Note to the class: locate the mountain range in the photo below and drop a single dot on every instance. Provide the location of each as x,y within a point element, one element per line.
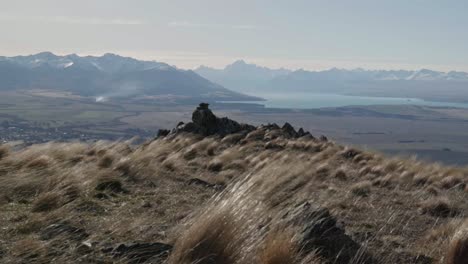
<point>108,75</point>
<point>241,76</point>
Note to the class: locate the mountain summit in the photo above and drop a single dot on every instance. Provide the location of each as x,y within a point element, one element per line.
<point>241,75</point>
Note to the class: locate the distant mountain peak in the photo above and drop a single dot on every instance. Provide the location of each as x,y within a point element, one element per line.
<point>46,54</point>
<point>239,62</point>
<point>109,75</point>
<point>111,55</point>
<point>109,62</point>
<point>243,76</point>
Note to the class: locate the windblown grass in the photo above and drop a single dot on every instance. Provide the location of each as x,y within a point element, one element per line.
<point>246,186</point>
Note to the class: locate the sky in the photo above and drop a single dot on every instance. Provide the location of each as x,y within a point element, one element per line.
<point>308,34</point>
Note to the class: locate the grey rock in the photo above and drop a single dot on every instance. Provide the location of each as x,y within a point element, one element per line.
<point>289,130</point>
<point>163,133</point>
<point>301,132</point>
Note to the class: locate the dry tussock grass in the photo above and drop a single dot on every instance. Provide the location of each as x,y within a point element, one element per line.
<point>439,207</point>
<point>279,247</point>
<point>458,248</point>
<point>46,202</point>
<point>361,188</point>
<point>119,192</point>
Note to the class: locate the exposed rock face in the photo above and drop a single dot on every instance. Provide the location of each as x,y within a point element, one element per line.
<point>289,130</point>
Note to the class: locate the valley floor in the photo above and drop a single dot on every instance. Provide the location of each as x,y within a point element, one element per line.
<point>433,133</point>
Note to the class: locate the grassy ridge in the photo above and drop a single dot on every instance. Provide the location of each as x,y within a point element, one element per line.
<point>256,198</point>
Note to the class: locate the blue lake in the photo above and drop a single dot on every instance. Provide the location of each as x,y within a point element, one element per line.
<point>320,100</point>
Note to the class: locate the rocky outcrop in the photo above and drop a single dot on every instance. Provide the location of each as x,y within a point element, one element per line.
<point>322,233</point>
<point>205,123</point>
<point>289,130</point>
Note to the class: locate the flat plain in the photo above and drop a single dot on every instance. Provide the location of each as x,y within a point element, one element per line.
<point>432,133</point>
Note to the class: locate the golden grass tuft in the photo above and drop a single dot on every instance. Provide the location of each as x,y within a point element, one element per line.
<point>4,151</point>
<point>215,165</point>
<point>46,202</point>
<point>458,248</point>
<point>449,182</point>
<point>208,241</point>
<point>106,161</point>
<point>362,189</point>
<point>40,162</point>
<point>279,247</point>
<point>340,174</point>
<point>28,249</point>
<point>439,207</point>
<point>108,182</point>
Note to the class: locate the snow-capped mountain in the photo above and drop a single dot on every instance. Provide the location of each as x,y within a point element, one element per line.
<point>109,62</point>
<point>108,75</point>
<point>242,76</point>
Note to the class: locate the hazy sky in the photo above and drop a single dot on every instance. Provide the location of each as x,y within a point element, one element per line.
<point>306,34</point>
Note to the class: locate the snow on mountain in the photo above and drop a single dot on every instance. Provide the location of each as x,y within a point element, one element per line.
<point>109,63</point>
<point>110,75</point>
<point>249,77</point>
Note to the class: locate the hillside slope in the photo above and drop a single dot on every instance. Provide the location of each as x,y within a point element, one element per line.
<point>216,191</point>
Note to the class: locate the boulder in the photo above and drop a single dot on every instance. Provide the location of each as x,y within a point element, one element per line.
<point>163,133</point>
<point>301,132</point>
<point>289,130</point>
